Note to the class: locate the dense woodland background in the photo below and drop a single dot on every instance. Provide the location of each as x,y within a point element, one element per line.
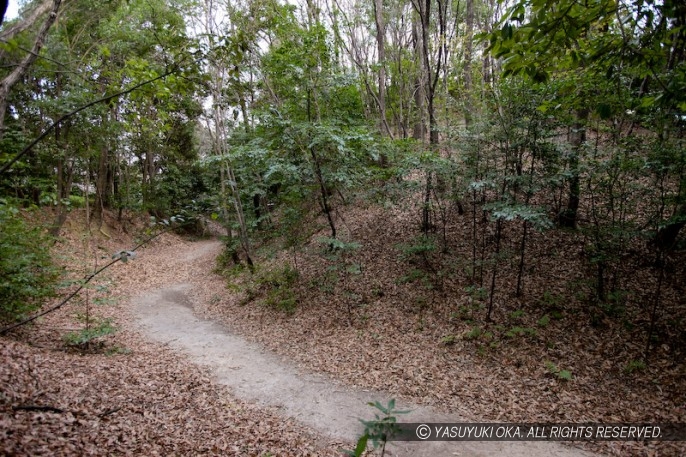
<point>507,168</point>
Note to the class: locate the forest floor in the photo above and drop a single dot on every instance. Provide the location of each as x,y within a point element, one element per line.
<point>378,315</point>
<point>122,394</point>
<point>158,386</point>
<point>256,375</point>
<point>125,394</point>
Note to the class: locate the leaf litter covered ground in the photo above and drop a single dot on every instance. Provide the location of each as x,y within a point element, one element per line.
<point>377,319</point>
<point>370,327</point>
<point>123,395</point>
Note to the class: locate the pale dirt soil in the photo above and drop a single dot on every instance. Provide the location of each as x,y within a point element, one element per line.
<point>148,398</point>
<point>130,396</point>
<point>375,329</point>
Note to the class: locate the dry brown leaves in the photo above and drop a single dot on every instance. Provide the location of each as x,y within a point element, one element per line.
<point>406,336</point>
<point>126,396</point>
<point>411,337</point>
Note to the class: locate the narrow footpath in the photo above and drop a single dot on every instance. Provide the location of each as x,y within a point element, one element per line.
<point>253,374</point>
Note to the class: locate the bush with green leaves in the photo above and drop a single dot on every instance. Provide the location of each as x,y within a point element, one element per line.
<point>634,365</point>
<point>27,275</point>
<point>276,286</point>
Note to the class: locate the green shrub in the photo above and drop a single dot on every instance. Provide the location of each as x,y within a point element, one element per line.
<point>477,293</point>
<point>226,260</point>
<point>85,336</point>
<point>77,201</point>
<point>282,299</point>
<point>473,334</point>
<point>284,277</point>
<point>518,331</point>
<point>27,275</point>
<point>448,340</point>
<point>544,321</point>
<point>418,248</point>
<point>634,365</point>
<point>517,314</point>
<point>379,430</point>
<point>412,276</point>
<point>278,284</point>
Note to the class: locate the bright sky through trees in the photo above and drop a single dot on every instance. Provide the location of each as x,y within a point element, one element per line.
<point>12,9</point>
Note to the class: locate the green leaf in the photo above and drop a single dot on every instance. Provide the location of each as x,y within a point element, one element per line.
<point>506,32</point>
<point>647,102</point>
<point>361,446</point>
<point>354,268</point>
<point>604,110</point>
<point>565,374</point>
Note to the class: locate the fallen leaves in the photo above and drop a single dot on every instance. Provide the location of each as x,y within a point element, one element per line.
<point>164,407</point>
<point>142,398</point>
<point>393,342</point>
<point>146,400</point>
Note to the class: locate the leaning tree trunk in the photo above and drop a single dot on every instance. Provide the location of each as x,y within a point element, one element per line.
<point>11,79</point>
<point>240,215</point>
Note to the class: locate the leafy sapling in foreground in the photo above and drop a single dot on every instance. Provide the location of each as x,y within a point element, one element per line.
<point>379,430</point>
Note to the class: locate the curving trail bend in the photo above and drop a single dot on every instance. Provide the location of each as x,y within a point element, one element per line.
<point>253,374</point>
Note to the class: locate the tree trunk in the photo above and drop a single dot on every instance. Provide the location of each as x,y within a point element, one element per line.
<point>419,129</point>
<point>318,173</point>
<point>65,177</point>
<point>381,49</point>
<point>101,189</point>
<point>240,215</point>
<point>31,19</point>
<point>64,170</point>
<point>520,269</point>
<point>467,70</point>
<point>577,138</point>
<point>498,232</point>
<point>10,80</point>
<point>429,80</point>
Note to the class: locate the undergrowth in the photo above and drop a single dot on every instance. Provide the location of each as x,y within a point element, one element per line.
<point>274,288</point>
<point>27,273</point>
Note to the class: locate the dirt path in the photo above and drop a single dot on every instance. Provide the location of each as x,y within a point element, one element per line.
<point>166,315</point>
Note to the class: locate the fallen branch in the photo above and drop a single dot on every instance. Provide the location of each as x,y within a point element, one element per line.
<point>108,412</point>
<point>50,409</point>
